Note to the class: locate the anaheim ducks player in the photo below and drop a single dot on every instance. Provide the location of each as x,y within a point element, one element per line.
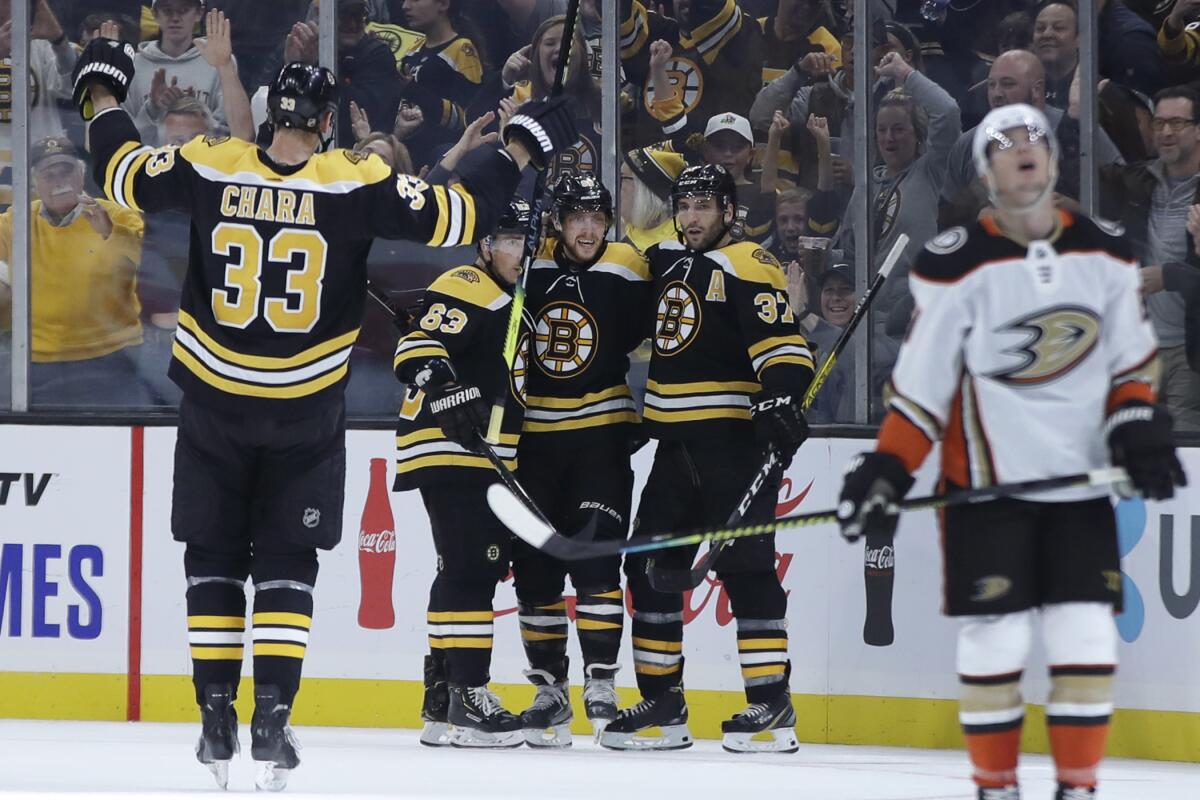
<point>271,308</point>
<point>451,360</point>
<point>727,377</point>
<point>1029,350</point>
<point>587,297</point>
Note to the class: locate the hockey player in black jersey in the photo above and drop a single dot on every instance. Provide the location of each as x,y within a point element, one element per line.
<point>586,297</point>
<point>727,379</point>
<point>271,307</point>
<point>451,359</point>
<point>1029,356</point>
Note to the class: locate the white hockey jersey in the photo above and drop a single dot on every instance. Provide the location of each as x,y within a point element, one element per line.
<point>1017,355</point>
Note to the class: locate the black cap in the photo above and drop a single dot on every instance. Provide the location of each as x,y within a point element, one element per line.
<point>841,272</point>
<point>52,149</point>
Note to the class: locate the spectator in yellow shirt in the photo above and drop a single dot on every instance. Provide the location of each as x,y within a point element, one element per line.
<point>85,313</point>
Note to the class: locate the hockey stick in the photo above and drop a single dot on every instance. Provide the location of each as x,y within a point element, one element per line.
<point>682,580</point>
<point>514,486</point>
<point>534,235</point>
<point>514,514</point>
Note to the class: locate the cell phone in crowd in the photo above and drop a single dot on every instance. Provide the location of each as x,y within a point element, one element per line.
<point>835,146</point>
<point>813,242</point>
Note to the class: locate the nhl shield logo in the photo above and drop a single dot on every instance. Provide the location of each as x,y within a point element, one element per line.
<point>311,517</point>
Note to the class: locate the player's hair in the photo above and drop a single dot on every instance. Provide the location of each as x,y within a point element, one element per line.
<point>1183,93</point>
<point>916,115</point>
<point>579,83</point>
<point>796,194</point>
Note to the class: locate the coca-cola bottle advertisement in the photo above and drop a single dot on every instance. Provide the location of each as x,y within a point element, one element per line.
<point>377,552</point>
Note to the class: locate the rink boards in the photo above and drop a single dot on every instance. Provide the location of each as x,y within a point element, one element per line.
<point>92,620</point>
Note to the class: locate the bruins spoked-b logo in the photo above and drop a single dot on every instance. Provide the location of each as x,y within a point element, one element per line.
<point>564,339</point>
<point>1057,340</point>
<point>519,368</point>
<point>677,319</point>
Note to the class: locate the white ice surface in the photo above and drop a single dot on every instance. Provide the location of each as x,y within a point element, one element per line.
<point>148,760</point>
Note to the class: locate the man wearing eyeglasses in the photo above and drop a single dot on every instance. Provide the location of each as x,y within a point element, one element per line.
<point>1155,197</point>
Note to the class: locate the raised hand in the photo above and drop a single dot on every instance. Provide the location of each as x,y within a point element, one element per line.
<point>301,44</point>
<point>516,68</point>
<point>359,122</point>
<point>660,53</point>
<point>162,94</point>
<point>408,119</point>
<point>893,66</point>
<point>474,136</point>
<point>109,29</point>
<point>217,47</point>
<point>817,64</point>
<point>96,216</point>
<point>819,128</point>
<point>779,126</point>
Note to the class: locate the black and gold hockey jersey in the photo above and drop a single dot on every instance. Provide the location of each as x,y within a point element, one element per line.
<point>443,81</point>
<point>715,68</point>
<point>724,329</point>
<point>585,322</point>
<point>276,281</point>
<point>463,319</point>
<point>782,54</point>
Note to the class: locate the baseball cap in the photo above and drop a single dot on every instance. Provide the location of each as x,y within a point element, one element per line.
<point>52,150</point>
<point>839,272</point>
<point>729,122</point>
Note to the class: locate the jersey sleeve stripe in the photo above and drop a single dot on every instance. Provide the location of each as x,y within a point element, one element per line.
<point>454,231</point>
<point>111,170</point>
<point>468,202</point>
<point>443,217</point>
<point>187,322</point>
<point>900,437</point>
<point>139,161</point>
<point>116,187</point>
<point>921,419</point>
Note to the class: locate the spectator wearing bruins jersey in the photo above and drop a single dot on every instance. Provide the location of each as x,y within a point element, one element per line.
<point>272,302</point>
<point>791,33</point>
<point>727,378</point>
<point>714,62</point>
<point>586,297</point>
<point>441,77</point>
<point>451,359</point>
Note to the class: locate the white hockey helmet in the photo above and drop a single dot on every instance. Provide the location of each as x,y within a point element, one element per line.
<point>1005,118</point>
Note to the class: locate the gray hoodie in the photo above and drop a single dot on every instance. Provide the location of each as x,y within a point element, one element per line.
<point>190,70</point>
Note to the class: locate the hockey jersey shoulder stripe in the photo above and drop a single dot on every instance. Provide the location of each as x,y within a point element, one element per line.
<point>748,261</point>
<point>188,323</point>
<point>461,56</point>
<point>709,38</point>
<point>631,267</point>
<point>473,285</point>
<point>325,173</point>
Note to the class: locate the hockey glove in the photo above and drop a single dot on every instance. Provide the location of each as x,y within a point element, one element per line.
<point>105,62</point>
<point>1139,439</point>
<point>544,127</point>
<point>458,408</point>
<point>873,483</point>
<point>778,421</point>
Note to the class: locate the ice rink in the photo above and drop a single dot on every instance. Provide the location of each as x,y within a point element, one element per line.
<point>152,760</point>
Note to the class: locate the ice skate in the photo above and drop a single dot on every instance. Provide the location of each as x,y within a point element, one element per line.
<point>547,723</point>
<point>273,745</point>
<point>1001,793</point>
<point>667,712</point>
<point>478,720</point>
<point>436,731</point>
<point>218,732</point>
<point>775,719</point>
<point>1074,792</point>
<point>600,697</point>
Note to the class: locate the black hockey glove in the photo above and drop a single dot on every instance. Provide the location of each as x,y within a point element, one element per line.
<point>458,408</point>
<point>106,62</point>
<point>1139,439</point>
<point>778,421</point>
<point>873,482</point>
<point>545,127</point>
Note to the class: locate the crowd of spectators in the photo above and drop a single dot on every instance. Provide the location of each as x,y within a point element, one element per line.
<point>763,87</point>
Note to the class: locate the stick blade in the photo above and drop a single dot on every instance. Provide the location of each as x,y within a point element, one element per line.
<point>517,517</point>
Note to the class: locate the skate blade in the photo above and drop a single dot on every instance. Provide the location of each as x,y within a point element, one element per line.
<point>556,736</point>
<point>673,737</point>
<point>598,726</point>
<point>220,773</point>
<point>271,777</point>
<point>470,738</point>
<point>435,734</point>
<point>778,740</point>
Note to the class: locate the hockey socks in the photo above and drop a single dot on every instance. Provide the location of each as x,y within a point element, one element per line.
<point>762,651</point>
<point>599,621</point>
<point>992,712</point>
<point>460,628</point>
<point>216,628</point>
<point>282,619</point>
<point>544,635</point>
<point>1077,718</point>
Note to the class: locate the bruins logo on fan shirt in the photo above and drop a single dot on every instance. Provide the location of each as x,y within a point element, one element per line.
<point>683,73</point>
<point>1057,340</point>
<point>565,339</point>
<point>678,319</point>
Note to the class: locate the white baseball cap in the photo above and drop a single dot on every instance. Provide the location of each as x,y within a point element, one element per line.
<point>729,122</point>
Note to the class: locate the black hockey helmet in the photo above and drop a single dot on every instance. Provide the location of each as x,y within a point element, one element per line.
<point>705,180</point>
<point>582,192</point>
<point>514,220</point>
<point>300,94</point>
